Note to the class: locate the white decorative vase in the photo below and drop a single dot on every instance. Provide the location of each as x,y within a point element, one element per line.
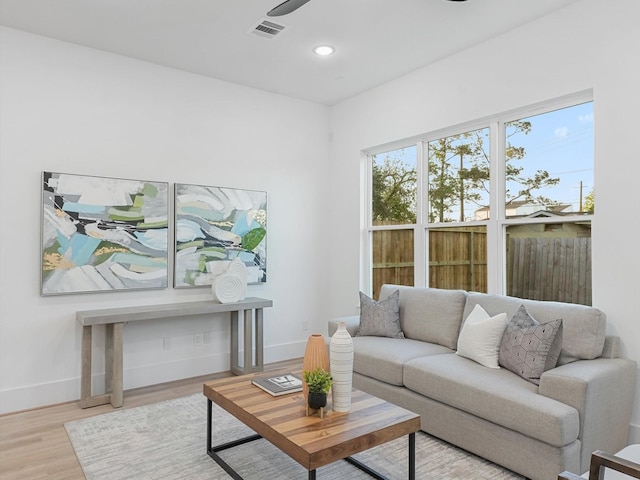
<point>239,269</point>
<point>341,365</point>
<point>231,285</point>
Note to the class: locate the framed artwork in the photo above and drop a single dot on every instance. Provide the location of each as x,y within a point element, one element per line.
<point>215,225</point>
<point>103,234</point>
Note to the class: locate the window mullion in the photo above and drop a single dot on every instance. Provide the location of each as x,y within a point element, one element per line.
<point>366,222</point>
<point>495,229</point>
<point>420,268</point>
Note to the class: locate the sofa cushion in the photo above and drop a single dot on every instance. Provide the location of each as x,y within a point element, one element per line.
<point>529,348</point>
<point>496,395</point>
<point>583,328</point>
<point>429,314</point>
<point>480,337</point>
<point>380,319</point>
<point>384,358</point>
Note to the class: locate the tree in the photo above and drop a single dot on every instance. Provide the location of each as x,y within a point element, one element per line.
<point>459,175</point>
<point>451,183</point>
<point>527,185</point>
<point>589,202</point>
<point>394,191</point>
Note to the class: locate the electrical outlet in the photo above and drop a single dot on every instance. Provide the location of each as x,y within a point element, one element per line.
<point>198,339</point>
<point>166,343</point>
<point>305,325</point>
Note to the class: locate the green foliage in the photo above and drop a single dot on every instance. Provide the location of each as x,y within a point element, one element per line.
<point>589,202</point>
<point>458,175</point>
<point>528,185</point>
<point>394,191</point>
<point>318,380</point>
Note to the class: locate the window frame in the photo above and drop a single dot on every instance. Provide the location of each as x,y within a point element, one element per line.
<point>496,225</point>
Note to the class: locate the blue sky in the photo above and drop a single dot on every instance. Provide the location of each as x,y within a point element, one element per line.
<point>561,142</point>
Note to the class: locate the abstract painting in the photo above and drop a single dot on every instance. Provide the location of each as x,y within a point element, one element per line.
<point>215,225</point>
<point>103,234</point>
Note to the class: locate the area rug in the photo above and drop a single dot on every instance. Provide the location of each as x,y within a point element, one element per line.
<point>167,441</point>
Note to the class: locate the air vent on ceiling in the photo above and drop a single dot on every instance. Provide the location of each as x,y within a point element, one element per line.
<point>267,29</point>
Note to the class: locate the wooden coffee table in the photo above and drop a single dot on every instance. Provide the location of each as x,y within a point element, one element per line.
<point>311,441</point>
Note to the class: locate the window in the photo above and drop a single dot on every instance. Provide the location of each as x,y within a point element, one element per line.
<point>549,194</point>
<point>458,172</point>
<point>503,207</point>
<point>549,163</point>
<point>393,210</point>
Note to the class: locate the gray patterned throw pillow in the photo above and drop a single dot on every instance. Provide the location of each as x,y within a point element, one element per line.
<point>380,319</point>
<point>529,348</point>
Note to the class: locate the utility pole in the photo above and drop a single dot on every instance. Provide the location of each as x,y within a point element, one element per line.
<point>580,196</point>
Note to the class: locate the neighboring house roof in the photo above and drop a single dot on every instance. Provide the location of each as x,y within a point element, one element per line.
<point>545,213</point>
<point>523,208</point>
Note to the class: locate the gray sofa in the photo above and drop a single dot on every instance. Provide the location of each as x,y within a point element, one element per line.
<point>581,405</point>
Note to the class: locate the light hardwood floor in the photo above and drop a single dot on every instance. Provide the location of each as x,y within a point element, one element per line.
<point>34,443</point>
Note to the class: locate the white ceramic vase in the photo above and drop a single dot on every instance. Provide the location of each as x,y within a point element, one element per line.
<point>341,365</point>
<point>231,285</point>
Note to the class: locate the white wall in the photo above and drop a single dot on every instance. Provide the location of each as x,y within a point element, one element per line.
<point>588,45</point>
<point>71,109</point>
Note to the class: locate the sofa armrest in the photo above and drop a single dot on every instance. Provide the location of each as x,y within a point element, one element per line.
<point>602,391</point>
<point>611,347</point>
<point>352,324</point>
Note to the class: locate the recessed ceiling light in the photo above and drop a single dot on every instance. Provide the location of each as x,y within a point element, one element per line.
<point>323,50</point>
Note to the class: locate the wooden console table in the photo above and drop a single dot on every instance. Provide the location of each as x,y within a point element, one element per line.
<point>114,319</point>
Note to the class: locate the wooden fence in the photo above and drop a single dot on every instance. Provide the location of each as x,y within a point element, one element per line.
<point>537,268</point>
<point>458,258</point>
<point>392,258</point>
<point>550,269</point>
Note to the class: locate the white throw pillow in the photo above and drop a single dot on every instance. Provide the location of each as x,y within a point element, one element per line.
<point>480,337</point>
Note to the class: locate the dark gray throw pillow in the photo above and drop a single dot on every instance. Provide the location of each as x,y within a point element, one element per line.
<point>380,319</point>
<point>529,348</point>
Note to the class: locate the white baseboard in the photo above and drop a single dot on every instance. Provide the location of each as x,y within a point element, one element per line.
<point>68,390</point>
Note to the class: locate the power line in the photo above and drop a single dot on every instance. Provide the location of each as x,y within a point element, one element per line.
<point>572,171</point>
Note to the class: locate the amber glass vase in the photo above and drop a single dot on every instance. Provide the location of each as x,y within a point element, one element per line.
<point>315,355</point>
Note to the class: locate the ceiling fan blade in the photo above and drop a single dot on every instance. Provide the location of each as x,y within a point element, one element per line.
<point>286,7</point>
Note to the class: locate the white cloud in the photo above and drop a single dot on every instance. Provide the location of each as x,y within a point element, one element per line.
<point>586,118</point>
<point>561,132</point>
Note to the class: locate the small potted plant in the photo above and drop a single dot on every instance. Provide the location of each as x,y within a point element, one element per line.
<point>319,383</point>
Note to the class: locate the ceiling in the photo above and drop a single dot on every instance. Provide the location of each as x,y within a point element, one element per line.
<point>375,40</point>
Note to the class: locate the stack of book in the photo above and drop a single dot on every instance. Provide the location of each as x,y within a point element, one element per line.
<point>279,385</point>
